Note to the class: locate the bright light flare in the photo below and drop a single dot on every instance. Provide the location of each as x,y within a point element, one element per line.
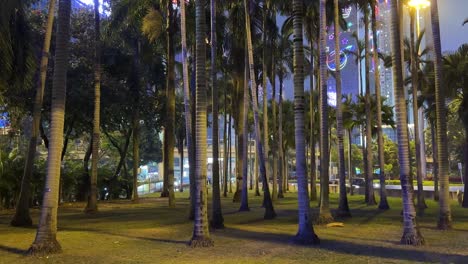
<point>419,3</point>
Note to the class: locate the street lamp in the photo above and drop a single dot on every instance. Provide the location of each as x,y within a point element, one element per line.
<point>418,5</point>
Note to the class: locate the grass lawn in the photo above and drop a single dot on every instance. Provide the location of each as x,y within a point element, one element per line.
<point>150,232</point>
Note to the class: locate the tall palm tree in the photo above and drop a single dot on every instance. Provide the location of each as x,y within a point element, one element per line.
<point>383,203</point>
<point>188,115</point>
<point>201,233</point>
<point>169,130</point>
<point>267,202</point>
<point>414,51</point>
<point>91,207</point>
<point>445,215</point>
<point>343,208</point>
<point>456,79</point>
<point>22,216</point>
<point>244,195</point>
<point>325,213</point>
<point>369,162</point>
<point>217,216</point>
<point>46,236</point>
<point>265,98</point>
<point>411,234</point>
<point>305,233</point>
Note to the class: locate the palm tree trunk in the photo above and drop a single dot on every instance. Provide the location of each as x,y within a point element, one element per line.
<point>368,157</point>
<point>414,84</point>
<point>280,138</point>
<point>170,103</point>
<point>230,153</point>
<point>350,163</point>
<point>217,220</point>
<point>267,202</point>
<point>244,196</point>
<point>46,236</point>
<point>22,216</point>
<point>136,154</point>
<point>325,214</point>
<point>257,187</point>
<point>91,207</point>
<point>225,150</point>
<point>383,203</point>
<point>343,208</point>
<point>265,105</point>
<point>181,165</point>
<point>435,165</point>
<point>445,215</point>
<point>188,121</point>
<point>201,233</point>
<point>305,233</point>
<point>313,165</point>
<point>411,234</point>
<point>465,176</point>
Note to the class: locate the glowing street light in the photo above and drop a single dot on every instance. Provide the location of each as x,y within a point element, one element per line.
<point>418,5</point>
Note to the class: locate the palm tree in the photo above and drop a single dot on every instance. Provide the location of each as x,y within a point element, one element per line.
<point>383,203</point>
<point>445,216</point>
<point>46,236</point>
<point>169,131</point>
<point>22,216</point>
<point>411,234</point>
<point>267,202</point>
<point>325,213</point>
<point>305,233</point>
<point>244,195</point>
<point>414,62</point>
<point>343,208</point>
<point>217,216</point>
<point>265,98</point>
<point>188,119</point>
<point>91,207</point>
<point>369,162</point>
<point>201,233</point>
<point>456,78</point>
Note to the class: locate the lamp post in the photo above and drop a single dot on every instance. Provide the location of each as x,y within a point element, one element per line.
<point>418,5</point>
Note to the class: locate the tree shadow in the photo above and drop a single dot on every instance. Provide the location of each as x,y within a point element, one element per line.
<point>98,231</point>
<point>346,247</point>
<point>13,250</point>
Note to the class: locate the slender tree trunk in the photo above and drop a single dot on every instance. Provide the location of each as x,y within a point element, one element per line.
<point>266,135</point>
<point>46,237</point>
<point>305,233</point>
<point>350,163</point>
<point>267,202</point>
<point>343,208</point>
<point>411,234</point>
<point>435,164</point>
<point>185,73</point>
<point>170,104</point>
<point>383,203</point>
<point>414,83</point>
<point>313,164</point>
<point>257,186</point>
<point>201,233</point>
<point>136,155</point>
<point>226,150</point>
<point>91,207</point>
<point>244,197</point>
<point>181,164</point>
<point>230,153</point>
<point>368,157</point>
<point>465,176</point>
<point>280,138</point>
<point>22,216</point>
<point>445,215</point>
<point>217,220</point>
<point>325,213</point>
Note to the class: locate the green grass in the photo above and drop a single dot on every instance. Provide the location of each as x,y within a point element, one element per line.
<point>150,232</point>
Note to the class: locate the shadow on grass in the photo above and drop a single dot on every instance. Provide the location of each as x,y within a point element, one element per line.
<point>346,247</point>
<point>12,250</point>
<point>153,239</point>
